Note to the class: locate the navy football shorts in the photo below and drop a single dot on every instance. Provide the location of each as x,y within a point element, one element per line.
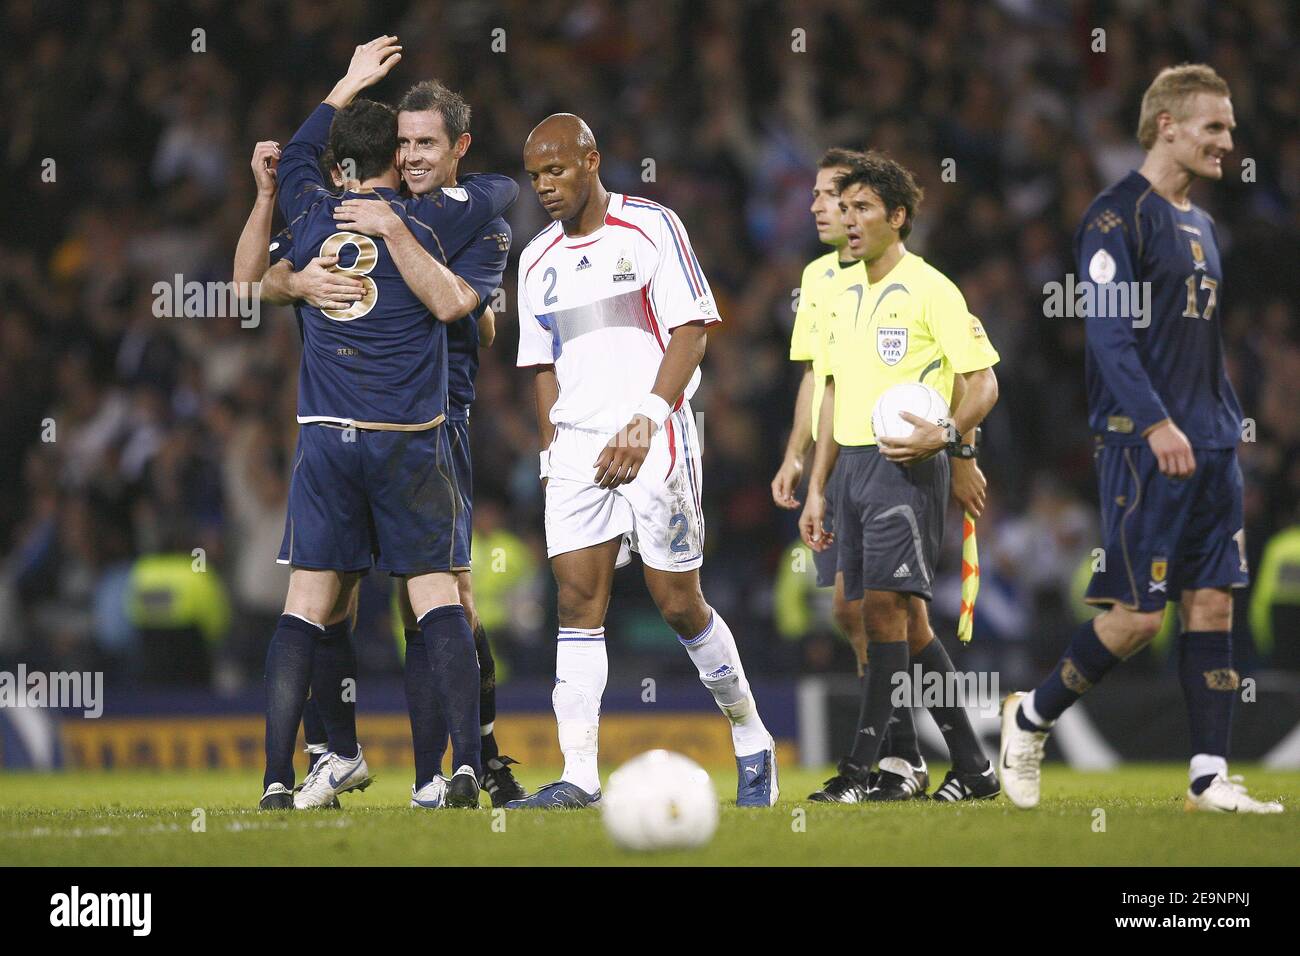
<point>386,499</point>
<point>1164,536</point>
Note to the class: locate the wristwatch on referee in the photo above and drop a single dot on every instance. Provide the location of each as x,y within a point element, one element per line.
<point>958,448</point>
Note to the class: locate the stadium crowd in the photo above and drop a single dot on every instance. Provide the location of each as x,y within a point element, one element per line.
<point>140,450</point>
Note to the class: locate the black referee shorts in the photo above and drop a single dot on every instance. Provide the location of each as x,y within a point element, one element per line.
<point>889,521</point>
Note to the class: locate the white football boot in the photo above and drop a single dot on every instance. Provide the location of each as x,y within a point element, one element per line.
<point>331,776</point>
<point>432,796</point>
<point>1020,759</point>
<point>1228,795</point>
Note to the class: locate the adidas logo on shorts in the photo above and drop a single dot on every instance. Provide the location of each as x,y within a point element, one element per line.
<point>903,571</point>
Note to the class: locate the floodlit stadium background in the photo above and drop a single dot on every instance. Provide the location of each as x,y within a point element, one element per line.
<point>173,434</point>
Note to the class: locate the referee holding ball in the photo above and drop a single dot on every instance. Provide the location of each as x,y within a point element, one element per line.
<point>907,323</point>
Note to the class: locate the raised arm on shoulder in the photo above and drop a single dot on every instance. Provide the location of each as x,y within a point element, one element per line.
<point>444,293</point>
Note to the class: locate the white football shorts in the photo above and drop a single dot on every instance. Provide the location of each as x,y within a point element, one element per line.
<point>659,515</point>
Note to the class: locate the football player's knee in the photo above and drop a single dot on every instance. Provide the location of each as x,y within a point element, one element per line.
<point>884,614</point>
<point>684,612</point>
<point>848,618</point>
<point>1210,611</point>
<point>580,604</point>
<point>1143,628</point>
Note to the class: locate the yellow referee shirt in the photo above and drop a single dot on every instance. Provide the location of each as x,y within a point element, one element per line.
<point>911,326</point>
<point>822,281</point>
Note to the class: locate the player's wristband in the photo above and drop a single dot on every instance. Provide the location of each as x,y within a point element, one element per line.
<point>545,464</point>
<point>654,408</point>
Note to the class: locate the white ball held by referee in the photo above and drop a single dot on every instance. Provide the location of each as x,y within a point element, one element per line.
<point>919,399</point>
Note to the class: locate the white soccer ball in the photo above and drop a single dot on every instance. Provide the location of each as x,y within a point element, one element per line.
<point>660,801</point>
<point>921,400</point>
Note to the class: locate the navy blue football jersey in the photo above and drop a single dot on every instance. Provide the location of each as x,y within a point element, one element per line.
<point>383,360</point>
<point>481,264</point>
<point>281,246</point>
<point>1136,249</point>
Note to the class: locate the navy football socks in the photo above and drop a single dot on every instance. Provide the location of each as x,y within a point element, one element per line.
<point>1210,689</point>
<point>288,678</point>
<point>334,685</point>
<point>449,646</point>
<point>1085,662</point>
<point>428,726</point>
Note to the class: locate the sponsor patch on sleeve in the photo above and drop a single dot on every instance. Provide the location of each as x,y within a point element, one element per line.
<point>1101,268</point>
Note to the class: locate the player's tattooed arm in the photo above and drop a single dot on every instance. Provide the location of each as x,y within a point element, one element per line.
<point>790,473</point>
<point>623,455</point>
<point>370,64</point>
<point>314,284</point>
<point>811,528</point>
<point>444,293</point>
<point>251,255</point>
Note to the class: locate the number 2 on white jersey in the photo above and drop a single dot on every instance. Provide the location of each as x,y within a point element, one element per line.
<point>367,257</point>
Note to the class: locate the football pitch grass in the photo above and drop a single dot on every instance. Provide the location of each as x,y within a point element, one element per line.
<point>1131,816</point>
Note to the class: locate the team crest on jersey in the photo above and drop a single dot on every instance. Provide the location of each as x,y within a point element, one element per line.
<point>1198,254</point>
<point>891,345</point>
<point>623,270</point>
<point>1159,572</point>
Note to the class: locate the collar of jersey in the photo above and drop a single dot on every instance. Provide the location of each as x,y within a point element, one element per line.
<point>382,192</point>
<point>573,242</point>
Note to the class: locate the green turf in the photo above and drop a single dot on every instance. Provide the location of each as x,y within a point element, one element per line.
<point>143,818</point>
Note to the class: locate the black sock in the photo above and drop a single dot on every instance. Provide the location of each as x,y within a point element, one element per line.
<point>887,659</point>
<point>1210,689</point>
<point>428,727</point>
<point>313,731</point>
<point>1085,662</point>
<point>288,678</point>
<point>454,665</point>
<point>963,746</point>
<point>487,696</point>
<point>334,687</point>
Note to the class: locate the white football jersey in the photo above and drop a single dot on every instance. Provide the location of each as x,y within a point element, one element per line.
<point>601,307</point>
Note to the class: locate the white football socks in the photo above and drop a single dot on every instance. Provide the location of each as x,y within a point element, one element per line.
<point>1205,765</point>
<point>717,659</point>
<point>581,670</point>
